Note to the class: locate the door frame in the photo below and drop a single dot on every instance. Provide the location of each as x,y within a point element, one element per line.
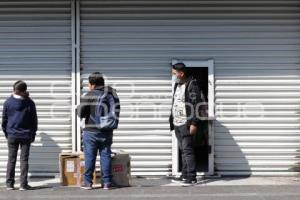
<point>76,82</point>
<point>211,116</point>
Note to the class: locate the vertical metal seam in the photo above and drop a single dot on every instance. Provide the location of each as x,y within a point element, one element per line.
<point>73,85</point>
<point>78,71</point>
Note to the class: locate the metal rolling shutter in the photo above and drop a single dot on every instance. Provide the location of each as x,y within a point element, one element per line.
<point>255,46</point>
<point>110,44</point>
<point>35,40</point>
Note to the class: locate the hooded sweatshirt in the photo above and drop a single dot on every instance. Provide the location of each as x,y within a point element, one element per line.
<point>19,118</point>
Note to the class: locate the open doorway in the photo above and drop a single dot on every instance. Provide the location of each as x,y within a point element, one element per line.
<point>201,146</point>
<point>203,72</point>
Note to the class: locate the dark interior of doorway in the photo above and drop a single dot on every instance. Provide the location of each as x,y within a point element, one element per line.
<point>201,146</point>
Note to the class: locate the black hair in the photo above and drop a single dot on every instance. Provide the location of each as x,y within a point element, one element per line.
<point>20,86</point>
<point>181,67</point>
<point>97,79</point>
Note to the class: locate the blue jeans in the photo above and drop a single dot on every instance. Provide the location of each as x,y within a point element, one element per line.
<point>92,142</point>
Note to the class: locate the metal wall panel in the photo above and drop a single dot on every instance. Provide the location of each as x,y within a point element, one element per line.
<point>142,81</point>
<point>256,48</point>
<point>35,41</point>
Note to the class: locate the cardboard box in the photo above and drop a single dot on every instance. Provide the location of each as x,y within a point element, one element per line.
<point>121,175</point>
<point>72,169</point>
<point>68,168</point>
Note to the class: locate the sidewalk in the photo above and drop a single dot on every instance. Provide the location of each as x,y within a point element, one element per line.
<point>165,181</point>
<point>240,188</point>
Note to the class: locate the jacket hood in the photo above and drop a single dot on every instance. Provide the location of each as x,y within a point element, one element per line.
<point>19,104</point>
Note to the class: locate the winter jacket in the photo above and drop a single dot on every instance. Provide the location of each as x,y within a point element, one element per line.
<point>19,118</point>
<point>195,103</point>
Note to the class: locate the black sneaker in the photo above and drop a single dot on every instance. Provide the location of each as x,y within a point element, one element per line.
<point>189,182</point>
<point>179,179</point>
<point>25,187</point>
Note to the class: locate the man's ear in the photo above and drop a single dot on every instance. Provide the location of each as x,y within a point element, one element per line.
<point>182,74</point>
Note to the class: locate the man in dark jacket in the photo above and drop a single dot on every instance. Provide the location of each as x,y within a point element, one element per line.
<point>188,108</point>
<point>94,138</point>
<point>19,124</point>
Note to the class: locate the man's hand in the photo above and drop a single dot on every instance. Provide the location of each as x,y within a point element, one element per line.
<point>193,129</point>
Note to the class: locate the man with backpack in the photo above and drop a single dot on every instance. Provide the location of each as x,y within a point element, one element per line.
<point>101,109</point>
<point>19,124</point>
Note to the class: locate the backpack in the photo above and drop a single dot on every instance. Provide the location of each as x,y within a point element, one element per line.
<point>107,111</point>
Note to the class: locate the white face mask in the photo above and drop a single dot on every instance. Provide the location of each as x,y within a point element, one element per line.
<point>175,79</point>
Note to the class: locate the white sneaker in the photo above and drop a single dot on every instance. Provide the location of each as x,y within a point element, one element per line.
<point>10,188</point>
<point>179,179</point>
<point>86,187</point>
<point>189,182</point>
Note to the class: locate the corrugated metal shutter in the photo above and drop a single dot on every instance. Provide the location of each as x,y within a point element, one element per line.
<point>118,45</point>
<point>35,40</point>
<point>255,46</point>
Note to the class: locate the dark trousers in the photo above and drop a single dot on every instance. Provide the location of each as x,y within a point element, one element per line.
<point>13,146</point>
<point>185,143</point>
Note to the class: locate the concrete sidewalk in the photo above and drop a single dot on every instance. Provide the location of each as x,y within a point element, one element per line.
<point>251,188</point>
<point>166,181</point>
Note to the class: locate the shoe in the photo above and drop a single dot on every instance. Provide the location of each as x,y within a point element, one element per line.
<point>87,187</point>
<point>10,188</point>
<point>189,182</point>
<point>26,187</point>
<point>108,186</point>
<point>179,179</point>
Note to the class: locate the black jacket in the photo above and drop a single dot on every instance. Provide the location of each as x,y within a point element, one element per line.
<point>88,105</point>
<point>196,104</point>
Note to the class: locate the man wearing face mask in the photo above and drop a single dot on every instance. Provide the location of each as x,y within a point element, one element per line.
<point>188,108</point>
